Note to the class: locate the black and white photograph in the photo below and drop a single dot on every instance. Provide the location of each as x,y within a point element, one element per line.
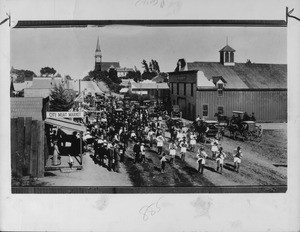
<point>140,106</point>
<point>156,105</point>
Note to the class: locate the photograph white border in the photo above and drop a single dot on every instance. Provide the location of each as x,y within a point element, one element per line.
<point>172,212</point>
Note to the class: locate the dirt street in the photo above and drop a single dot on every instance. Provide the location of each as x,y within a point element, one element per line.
<point>263,163</point>
<point>257,168</point>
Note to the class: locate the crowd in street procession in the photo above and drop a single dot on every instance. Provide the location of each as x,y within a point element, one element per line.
<point>114,124</point>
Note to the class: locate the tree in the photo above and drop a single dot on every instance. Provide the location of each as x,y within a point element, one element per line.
<point>136,76</point>
<point>145,66</point>
<point>180,65</point>
<point>47,71</point>
<point>113,75</point>
<point>22,75</point>
<point>150,70</point>
<point>155,66</point>
<point>61,99</point>
<point>148,75</point>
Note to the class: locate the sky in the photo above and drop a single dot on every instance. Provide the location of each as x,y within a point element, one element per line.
<point>71,50</point>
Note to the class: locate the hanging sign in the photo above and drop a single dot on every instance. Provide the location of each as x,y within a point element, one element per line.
<point>73,114</point>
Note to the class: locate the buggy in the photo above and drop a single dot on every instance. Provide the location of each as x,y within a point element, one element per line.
<point>244,130</point>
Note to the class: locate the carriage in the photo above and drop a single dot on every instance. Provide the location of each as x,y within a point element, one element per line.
<point>243,130</point>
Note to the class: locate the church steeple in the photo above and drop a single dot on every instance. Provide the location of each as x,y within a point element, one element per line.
<point>98,56</point>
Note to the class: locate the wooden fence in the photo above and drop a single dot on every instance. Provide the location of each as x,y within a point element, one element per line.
<point>28,147</point>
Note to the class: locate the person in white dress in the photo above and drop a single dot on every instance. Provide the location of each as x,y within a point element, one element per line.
<point>220,160</point>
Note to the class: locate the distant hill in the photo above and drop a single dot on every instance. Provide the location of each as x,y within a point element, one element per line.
<point>21,75</point>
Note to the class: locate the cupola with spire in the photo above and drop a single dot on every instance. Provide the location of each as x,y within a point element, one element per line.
<point>98,57</point>
<point>227,55</point>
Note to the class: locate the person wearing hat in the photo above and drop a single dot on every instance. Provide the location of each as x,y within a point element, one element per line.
<point>160,142</point>
<point>201,155</point>
<point>183,147</point>
<point>143,153</point>
<point>172,148</point>
<point>192,141</point>
<point>237,159</point>
<point>220,160</point>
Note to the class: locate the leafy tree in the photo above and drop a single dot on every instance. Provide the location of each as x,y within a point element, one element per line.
<point>22,75</point>
<point>180,65</point>
<point>150,70</point>
<point>47,71</point>
<point>113,75</point>
<point>135,75</point>
<point>61,99</point>
<point>145,66</point>
<point>155,66</point>
<point>148,75</point>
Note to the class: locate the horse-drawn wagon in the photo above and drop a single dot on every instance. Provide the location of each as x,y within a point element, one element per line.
<point>237,128</point>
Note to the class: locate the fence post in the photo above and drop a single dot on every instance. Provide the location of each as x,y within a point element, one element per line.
<point>40,157</point>
<point>27,142</point>
<point>14,144</point>
<point>33,148</point>
<point>21,145</point>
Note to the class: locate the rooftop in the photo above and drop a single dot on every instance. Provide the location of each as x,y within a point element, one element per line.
<point>45,82</point>
<point>245,76</point>
<point>227,49</point>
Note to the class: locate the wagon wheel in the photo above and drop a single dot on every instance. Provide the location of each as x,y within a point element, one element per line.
<point>236,135</point>
<point>247,135</point>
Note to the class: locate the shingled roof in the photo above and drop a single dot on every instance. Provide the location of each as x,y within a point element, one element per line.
<point>245,76</point>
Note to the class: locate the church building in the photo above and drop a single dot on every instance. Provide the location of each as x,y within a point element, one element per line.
<point>99,64</point>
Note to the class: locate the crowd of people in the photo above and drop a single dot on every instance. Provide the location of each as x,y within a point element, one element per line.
<point>113,124</point>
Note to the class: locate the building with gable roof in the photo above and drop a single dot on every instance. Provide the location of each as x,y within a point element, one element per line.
<point>99,64</point>
<point>221,87</point>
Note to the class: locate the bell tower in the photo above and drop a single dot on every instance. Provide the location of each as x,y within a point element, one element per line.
<point>98,57</point>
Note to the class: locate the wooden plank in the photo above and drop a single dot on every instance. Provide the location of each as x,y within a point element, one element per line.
<point>14,143</point>
<point>21,145</point>
<point>33,148</point>
<point>40,143</point>
<point>27,142</point>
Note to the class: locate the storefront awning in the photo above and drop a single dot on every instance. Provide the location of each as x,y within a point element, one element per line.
<point>65,124</point>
